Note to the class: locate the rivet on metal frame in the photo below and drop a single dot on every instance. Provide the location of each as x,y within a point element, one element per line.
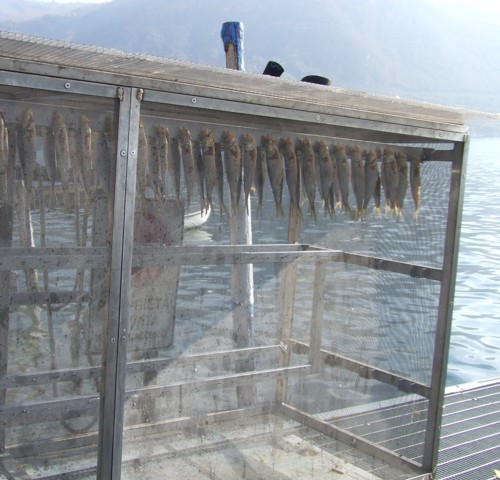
<point>123,153</point>
<point>194,100</point>
<point>67,85</point>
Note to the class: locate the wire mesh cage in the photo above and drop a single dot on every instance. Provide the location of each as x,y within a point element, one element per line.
<point>218,282</point>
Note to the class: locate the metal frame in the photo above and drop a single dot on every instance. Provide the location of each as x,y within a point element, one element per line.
<point>196,102</point>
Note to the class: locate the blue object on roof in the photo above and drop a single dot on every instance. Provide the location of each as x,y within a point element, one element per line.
<point>232,33</point>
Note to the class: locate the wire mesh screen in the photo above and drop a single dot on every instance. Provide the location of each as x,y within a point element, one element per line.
<point>56,195</point>
<point>280,311</point>
<point>294,349</point>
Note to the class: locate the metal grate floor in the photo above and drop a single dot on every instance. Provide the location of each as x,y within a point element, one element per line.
<point>470,435</point>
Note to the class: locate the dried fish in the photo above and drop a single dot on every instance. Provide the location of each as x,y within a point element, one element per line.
<point>326,176</point>
<point>260,177</point>
<point>162,140</point>
<point>198,160</point>
<point>207,143</point>
<point>402,186</point>
<point>174,167</point>
<point>415,183</point>
<point>340,155</point>
<point>84,136</point>
<point>249,153</point>
<point>4,158</point>
<point>27,149</point>
<point>232,160</point>
<point>389,176</point>
<point>275,170</point>
<point>188,163</point>
<point>372,179</point>
<point>219,169</point>
<point>142,163</point>
<point>292,173</point>
<point>358,179</point>
<point>61,146</point>
<point>308,168</point>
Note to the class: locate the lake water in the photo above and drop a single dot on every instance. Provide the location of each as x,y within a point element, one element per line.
<point>475,341</point>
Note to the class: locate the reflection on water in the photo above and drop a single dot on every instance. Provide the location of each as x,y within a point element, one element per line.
<point>475,342</point>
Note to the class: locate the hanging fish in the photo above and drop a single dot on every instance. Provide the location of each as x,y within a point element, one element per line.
<point>325,176</point>
<point>188,162</point>
<point>162,140</point>
<point>340,156</point>
<point>219,169</point>
<point>389,177</point>
<point>308,168</point>
<point>207,143</point>
<point>198,160</point>
<point>27,149</point>
<point>61,147</point>
<point>260,177</point>
<point>174,167</point>
<point>292,173</point>
<point>232,160</point>
<point>4,158</point>
<point>275,171</point>
<point>249,153</point>
<point>142,163</point>
<point>84,137</point>
<point>415,183</point>
<point>358,179</point>
<point>402,186</point>
<point>372,179</point>
<point>74,155</point>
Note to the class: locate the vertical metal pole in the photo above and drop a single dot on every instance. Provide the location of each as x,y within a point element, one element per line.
<point>317,316</point>
<point>6,229</point>
<point>113,390</point>
<point>242,290</point>
<point>445,312</point>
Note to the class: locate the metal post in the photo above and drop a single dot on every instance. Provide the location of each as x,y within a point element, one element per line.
<point>114,356</point>
<point>242,290</point>
<point>6,223</point>
<point>445,312</point>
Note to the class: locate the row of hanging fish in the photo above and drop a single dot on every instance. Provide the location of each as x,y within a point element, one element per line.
<point>78,154</point>
<point>307,168</point>
<point>74,155</point>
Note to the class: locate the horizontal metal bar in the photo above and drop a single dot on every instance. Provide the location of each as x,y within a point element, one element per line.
<point>364,370</point>
<point>49,410</point>
<point>18,258</point>
<point>54,298</point>
<point>73,407</point>
<point>154,364</point>
<point>415,271</point>
<point>43,378</point>
<point>202,358</point>
<point>360,443</point>
<point>225,381</point>
<point>43,82</point>
<point>221,255</point>
<point>162,255</point>
<point>130,432</point>
<point>343,117</point>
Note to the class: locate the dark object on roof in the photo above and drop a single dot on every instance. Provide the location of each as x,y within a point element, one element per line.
<point>317,79</point>
<point>273,69</point>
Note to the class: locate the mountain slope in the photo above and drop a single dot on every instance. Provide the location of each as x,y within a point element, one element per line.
<point>418,49</point>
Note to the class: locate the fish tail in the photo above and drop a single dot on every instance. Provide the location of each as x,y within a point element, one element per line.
<point>313,213</point>
<point>415,216</point>
<point>280,213</point>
